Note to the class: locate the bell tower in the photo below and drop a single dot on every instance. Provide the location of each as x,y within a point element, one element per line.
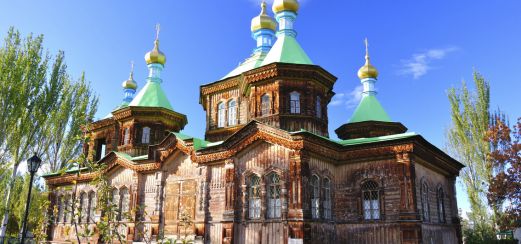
<point>278,85</point>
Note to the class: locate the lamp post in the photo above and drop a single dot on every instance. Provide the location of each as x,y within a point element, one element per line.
<point>33,164</point>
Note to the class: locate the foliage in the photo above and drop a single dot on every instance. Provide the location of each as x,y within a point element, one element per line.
<point>470,120</point>
<point>39,202</point>
<point>505,184</point>
<point>40,110</point>
<point>477,234</point>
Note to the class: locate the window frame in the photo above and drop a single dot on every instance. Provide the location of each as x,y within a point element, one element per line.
<point>124,203</point>
<point>315,196</point>
<point>326,203</point>
<point>424,194</point>
<point>232,112</point>
<point>318,107</point>
<point>221,115</point>
<point>274,208</point>
<point>294,102</point>
<point>126,136</point>
<point>441,205</point>
<point>371,199</point>
<point>145,135</point>
<point>254,197</point>
<point>265,105</point>
<point>92,206</point>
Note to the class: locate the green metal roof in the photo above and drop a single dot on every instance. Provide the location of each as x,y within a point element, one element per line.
<point>151,95</point>
<point>358,141</point>
<point>254,61</point>
<point>198,143</point>
<point>142,157</point>
<point>376,139</point>
<point>369,109</point>
<point>287,50</point>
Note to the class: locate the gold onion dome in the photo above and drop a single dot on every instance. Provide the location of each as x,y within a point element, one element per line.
<point>263,20</point>
<point>368,70</point>
<point>130,83</point>
<point>285,5</point>
<point>156,56</point>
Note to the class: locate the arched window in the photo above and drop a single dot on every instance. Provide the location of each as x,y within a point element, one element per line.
<point>425,201</point>
<point>125,203</point>
<point>126,138</point>
<point>265,105</point>
<point>318,107</point>
<point>59,216</point>
<point>370,200</point>
<point>315,197</point>
<point>294,102</point>
<point>254,200</point>
<point>82,217</point>
<point>116,203</point>
<point>66,208</point>
<point>232,113</point>
<point>145,137</point>
<point>221,113</point>
<point>92,206</point>
<point>327,198</point>
<point>274,201</point>
<point>441,205</point>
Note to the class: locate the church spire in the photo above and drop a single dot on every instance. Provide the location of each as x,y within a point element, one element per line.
<point>263,29</point>
<point>369,108</point>
<point>155,60</point>
<point>286,13</point>
<point>152,94</point>
<point>286,49</point>
<point>129,86</point>
<point>368,73</point>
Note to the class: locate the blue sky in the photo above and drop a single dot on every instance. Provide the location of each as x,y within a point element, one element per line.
<point>421,49</point>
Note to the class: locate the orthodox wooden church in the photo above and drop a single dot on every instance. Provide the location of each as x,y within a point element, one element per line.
<point>267,170</point>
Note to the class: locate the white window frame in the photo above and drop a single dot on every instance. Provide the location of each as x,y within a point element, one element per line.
<point>254,197</point>
<point>221,114</point>
<point>124,206</point>
<point>294,102</point>
<point>274,196</point>
<point>232,112</point>
<point>126,138</point>
<point>371,200</point>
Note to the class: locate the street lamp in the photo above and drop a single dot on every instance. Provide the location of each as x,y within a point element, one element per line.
<point>33,164</point>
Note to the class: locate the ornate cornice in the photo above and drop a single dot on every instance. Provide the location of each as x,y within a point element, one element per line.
<point>168,117</point>
<point>101,123</point>
<point>112,160</point>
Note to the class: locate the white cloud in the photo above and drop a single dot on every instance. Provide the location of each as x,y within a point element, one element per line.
<point>420,63</point>
<point>350,99</point>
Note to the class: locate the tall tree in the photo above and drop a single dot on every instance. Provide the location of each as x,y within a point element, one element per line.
<point>76,106</point>
<point>505,186</point>
<point>33,87</point>
<point>470,113</point>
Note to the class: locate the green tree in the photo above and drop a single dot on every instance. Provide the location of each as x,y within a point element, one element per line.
<point>76,106</point>
<point>470,113</point>
<point>34,88</point>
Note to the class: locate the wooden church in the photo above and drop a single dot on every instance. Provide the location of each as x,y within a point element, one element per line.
<point>267,170</point>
